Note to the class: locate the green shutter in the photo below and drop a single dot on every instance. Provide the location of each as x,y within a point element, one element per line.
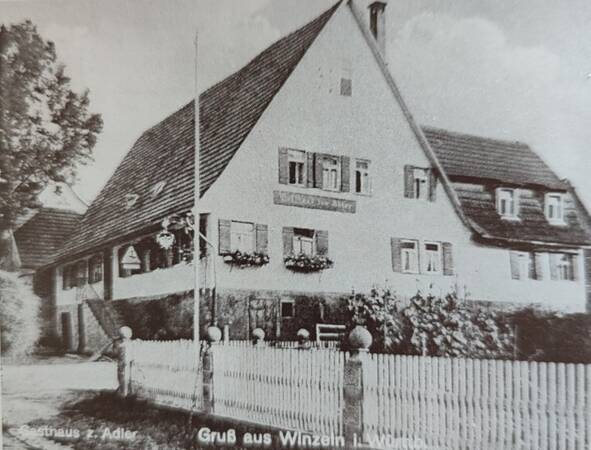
<point>396,255</point>
<point>408,182</point>
<point>448,260</point>
<point>283,166</point>
<point>539,265</point>
<point>321,242</point>
<point>287,241</point>
<point>224,227</point>
<point>261,238</point>
<point>554,265</point>
<point>345,174</point>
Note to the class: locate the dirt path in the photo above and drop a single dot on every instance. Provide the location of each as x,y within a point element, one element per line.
<point>35,391</point>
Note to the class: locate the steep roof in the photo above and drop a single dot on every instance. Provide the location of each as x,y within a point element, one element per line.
<point>510,162</point>
<point>228,111</point>
<point>483,163</point>
<point>42,235</point>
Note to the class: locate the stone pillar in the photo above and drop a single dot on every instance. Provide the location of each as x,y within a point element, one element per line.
<point>258,337</point>
<point>124,362</point>
<point>303,339</point>
<point>360,340</point>
<point>214,335</point>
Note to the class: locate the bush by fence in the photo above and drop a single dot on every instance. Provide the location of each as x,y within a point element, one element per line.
<point>548,336</point>
<point>430,326</point>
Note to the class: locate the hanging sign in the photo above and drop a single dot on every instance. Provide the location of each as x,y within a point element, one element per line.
<point>131,260</point>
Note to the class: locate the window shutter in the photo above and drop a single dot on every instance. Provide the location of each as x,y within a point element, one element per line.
<point>432,185</point>
<point>448,259</point>
<point>287,241</point>
<point>318,158</point>
<point>408,181</point>
<point>574,259</point>
<point>310,169</point>
<point>514,259</point>
<point>532,266</point>
<point>224,238</point>
<point>322,242</point>
<point>396,255</point>
<point>345,174</point>
<point>283,166</point>
<point>261,238</point>
<point>81,272</point>
<point>539,263</point>
<point>553,266</point>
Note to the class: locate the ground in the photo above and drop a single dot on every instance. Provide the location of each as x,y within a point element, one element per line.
<point>40,387</point>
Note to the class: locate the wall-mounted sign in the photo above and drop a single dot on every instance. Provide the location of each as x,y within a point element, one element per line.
<point>313,201</point>
<point>130,260</point>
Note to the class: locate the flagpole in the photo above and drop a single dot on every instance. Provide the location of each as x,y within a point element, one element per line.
<point>196,259</point>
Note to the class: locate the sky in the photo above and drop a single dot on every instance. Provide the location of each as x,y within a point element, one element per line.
<point>511,69</point>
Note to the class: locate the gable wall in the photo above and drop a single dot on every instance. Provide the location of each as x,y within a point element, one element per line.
<point>309,114</point>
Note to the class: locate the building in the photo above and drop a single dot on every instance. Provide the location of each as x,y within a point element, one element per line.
<point>38,235</point>
<point>316,181</point>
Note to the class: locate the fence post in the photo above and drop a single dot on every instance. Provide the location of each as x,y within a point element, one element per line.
<point>360,340</point>
<point>214,335</point>
<point>124,361</point>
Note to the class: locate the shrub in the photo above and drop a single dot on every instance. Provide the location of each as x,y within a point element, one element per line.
<point>549,336</point>
<point>19,316</point>
<point>431,326</point>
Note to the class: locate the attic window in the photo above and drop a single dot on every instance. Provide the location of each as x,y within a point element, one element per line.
<point>554,206</point>
<point>346,78</point>
<point>157,189</point>
<point>130,200</point>
<point>507,203</point>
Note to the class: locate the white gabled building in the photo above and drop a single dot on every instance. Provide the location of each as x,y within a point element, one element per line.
<point>310,150</point>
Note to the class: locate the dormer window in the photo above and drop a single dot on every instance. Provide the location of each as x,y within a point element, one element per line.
<point>507,203</point>
<point>130,200</point>
<point>554,206</point>
<point>157,189</point>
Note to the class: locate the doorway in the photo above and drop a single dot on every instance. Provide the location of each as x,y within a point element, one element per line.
<point>66,322</point>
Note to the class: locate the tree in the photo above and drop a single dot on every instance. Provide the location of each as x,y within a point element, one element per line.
<point>46,129</point>
<point>19,312</point>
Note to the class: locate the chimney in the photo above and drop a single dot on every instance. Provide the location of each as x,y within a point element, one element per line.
<point>377,24</point>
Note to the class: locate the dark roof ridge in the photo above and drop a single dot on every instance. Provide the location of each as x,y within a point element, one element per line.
<point>461,134</point>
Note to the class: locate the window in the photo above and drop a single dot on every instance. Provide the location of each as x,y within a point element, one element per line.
<point>242,237</point>
<point>409,256</point>
<point>554,208</point>
<point>362,180</point>
<point>130,200</point>
<point>95,269</point>
<point>507,203</point>
<point>523,266</point>
<point>562,266</point>
<point>303,241</point>
<point>432,262</point>
<point>68,277</point>
<point>297,167</point>
<point>157,189</point>
<point>419,183</point>
<point>287,309</point>
<point>331,173</point>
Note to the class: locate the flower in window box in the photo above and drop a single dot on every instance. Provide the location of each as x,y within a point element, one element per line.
<point>307,263</point>
<point>242,260</point>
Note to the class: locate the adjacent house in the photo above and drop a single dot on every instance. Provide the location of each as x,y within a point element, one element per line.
<point>315,181</point>
<point>38,235</point>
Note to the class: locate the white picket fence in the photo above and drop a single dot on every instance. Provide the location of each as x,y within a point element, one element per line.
<point>329,345</point>
<point>286,388</point>
<point>167,373</point>
<point>477,404</point>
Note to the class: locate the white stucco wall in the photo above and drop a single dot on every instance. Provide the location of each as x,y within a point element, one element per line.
<point>309,114</point>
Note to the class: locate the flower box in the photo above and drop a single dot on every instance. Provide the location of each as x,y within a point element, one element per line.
<point>307,263</point>
<point>242,260</point>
